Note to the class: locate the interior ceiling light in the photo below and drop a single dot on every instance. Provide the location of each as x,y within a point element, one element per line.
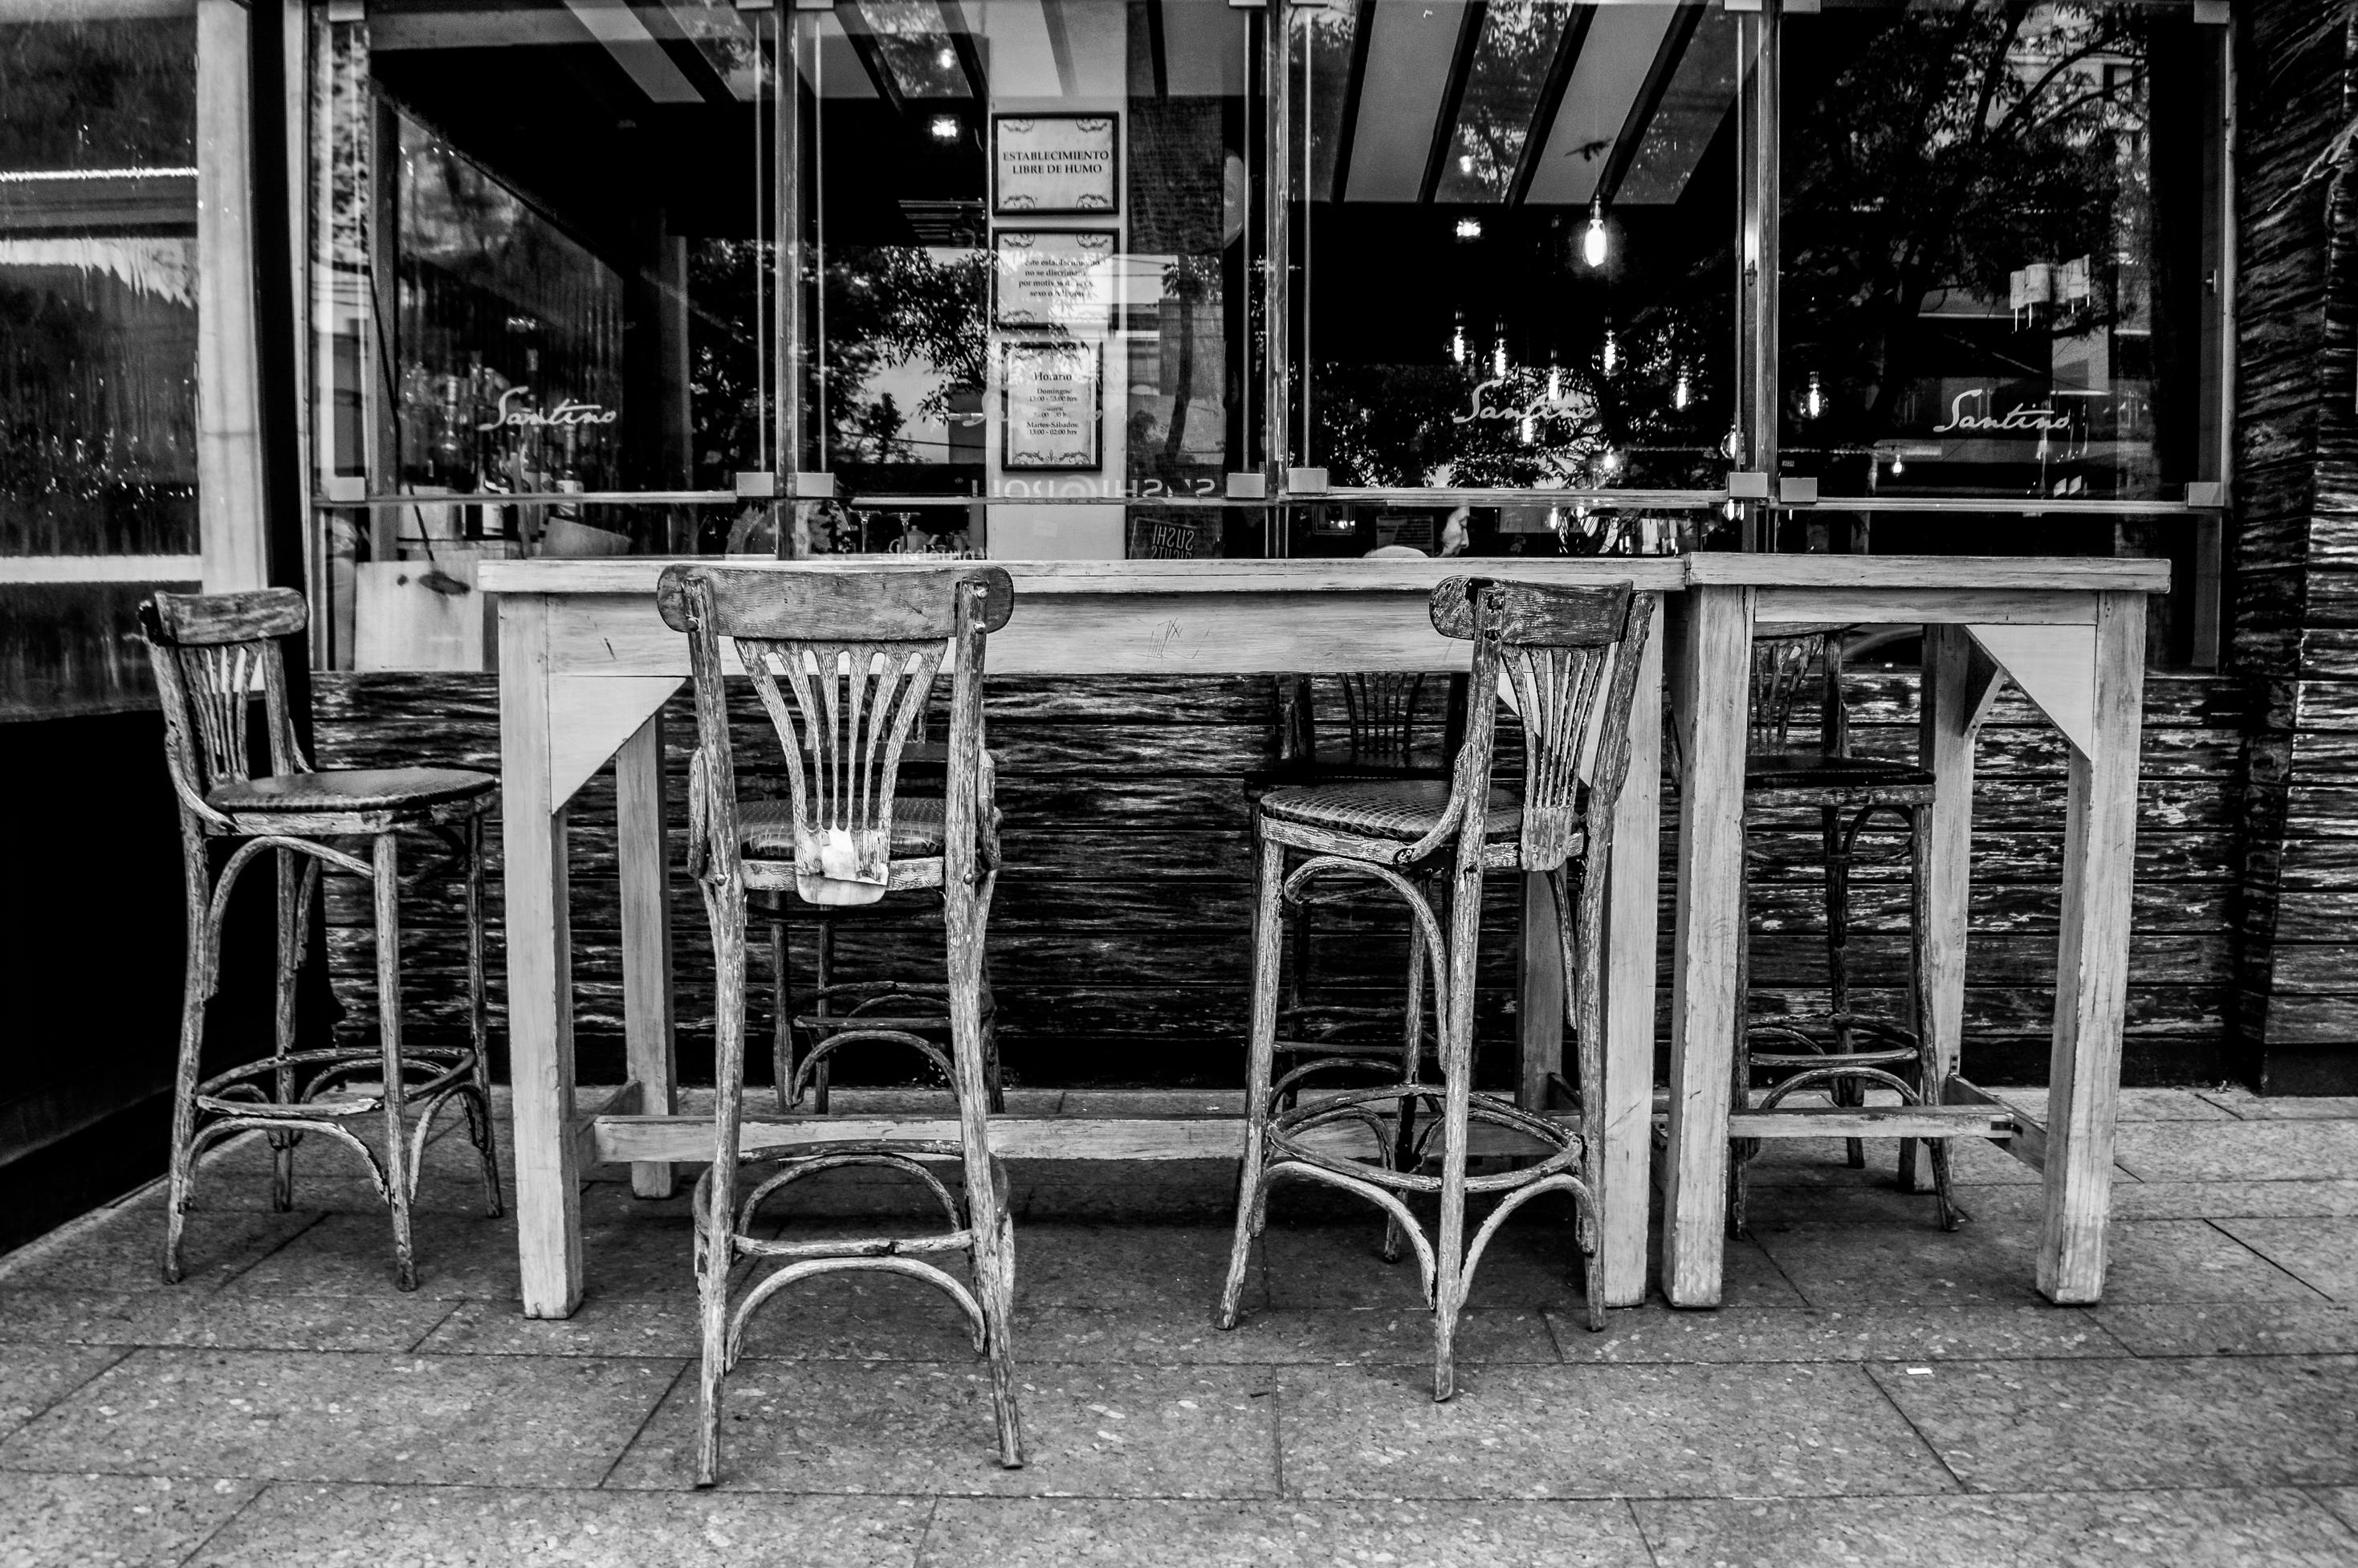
<point>1469,228</point>
<point>1457,341</point>
<point>1593,245</point>
<point>1680,393</point>
<point>1612,352</point>
<point>946,127</point>
<point>1814,402</point>
<point>946,58</point>
<point>1556,381</point>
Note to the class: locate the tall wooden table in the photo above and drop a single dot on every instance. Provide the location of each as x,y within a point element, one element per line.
<point>586,665</point>
<point>2070,635</point>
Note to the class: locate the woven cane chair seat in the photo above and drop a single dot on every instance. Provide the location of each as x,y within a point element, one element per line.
<point>1809,770</point>
<point>351,789</point>
<point>1406,809</point>
<point>766,827</point>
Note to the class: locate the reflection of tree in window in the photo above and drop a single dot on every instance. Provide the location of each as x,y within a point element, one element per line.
<point>912,314</point>
<point>1968,197</point>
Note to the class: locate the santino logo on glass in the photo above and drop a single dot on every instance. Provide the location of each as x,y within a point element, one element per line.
<point>566,414</point>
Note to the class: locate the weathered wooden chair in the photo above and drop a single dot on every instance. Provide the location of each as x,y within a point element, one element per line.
<point>1839,1051</point>
<point>842,663</point>
<point>1571,656</point>
<point>210,651</point>
<point>1385,735</point>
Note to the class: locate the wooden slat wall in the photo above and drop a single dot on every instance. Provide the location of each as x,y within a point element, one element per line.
<point>1119,945</point>
<point>2294,632</point>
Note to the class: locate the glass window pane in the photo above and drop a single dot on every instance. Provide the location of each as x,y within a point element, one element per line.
<point>1540,295</point>
<point>1993,251</point>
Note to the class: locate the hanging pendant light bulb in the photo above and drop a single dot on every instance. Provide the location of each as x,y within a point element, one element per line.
<point>1498,358</point>
<point>1527,430</point>
<point>1814,402</point>
<point>1457,341</point>
<point>1555,380</point>
<point>1593,243</point>
<point>1898,464</point>
<point>1612,352</point>
<point>1680,393</point>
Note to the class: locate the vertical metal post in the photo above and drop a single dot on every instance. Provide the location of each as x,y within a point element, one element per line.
<point>787,221</point>
<point>1277,213</point>
<point>1757,252</point>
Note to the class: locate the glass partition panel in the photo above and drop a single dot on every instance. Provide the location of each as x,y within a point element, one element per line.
<point>539,269</point>
<point>1993,280</point>
<point>1488,527</point>
<point>1513,245</point>
<point>1029,228</point>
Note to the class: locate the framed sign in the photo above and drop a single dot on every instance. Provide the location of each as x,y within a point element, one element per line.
<point>1049,411</point>
<point>1055,163</point>
<point>1056,277</point>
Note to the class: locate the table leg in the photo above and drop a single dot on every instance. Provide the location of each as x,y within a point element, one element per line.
<point>645,866</point>
<point>1957,685</point>
<point>2092,962</point>
<point>1632,919</point>
<point>1539,994</point>
<point>540,970</point>
<point>1711,649</point>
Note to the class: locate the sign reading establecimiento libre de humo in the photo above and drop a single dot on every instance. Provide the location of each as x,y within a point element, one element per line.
<point>1050,416</point>
<point>1055,163</point>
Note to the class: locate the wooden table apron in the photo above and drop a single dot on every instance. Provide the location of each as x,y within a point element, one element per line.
<point>2070,635</point>
<point>586,665</point>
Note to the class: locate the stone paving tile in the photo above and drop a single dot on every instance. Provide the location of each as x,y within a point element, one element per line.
<point>2245,1105</point>
<point>2247,1328</point>
<point>988,1533</point>
<point>122,1250</point>
<point>228,1320</point>
<point>2151,1260</point>
<point>630,1247</point>
<point>35,1377</point>
<point>110,1522</point>
<point>2232,1200</point>
<point>1532,1265</point>
<point>1823,1163</point>
<point>1400,1335</point>
<point>2323,1252</point>
<point>1771,1208</point>
<point>466,1527</point>
<point>1153,1192</point>
<point>2096,1529</point>
<point>2096,1426</point>
<point>502,1421</point>
<point>1109,1267</point>
<point>854,1316</point>
<point>1573,1432</point>
<point>814,1426</point>
<point>1655,1333</point>
<point>2340,1502</point>
<point>2239,1151</point>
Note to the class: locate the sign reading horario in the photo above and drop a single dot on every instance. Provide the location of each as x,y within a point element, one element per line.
<point>1054,163</point>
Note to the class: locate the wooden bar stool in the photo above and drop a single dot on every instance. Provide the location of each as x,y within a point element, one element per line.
<point>1385,735</point>
<point>1839,1051</point>
<point>1571,656</point>
<point>210,652</point>
<point>843,664</point>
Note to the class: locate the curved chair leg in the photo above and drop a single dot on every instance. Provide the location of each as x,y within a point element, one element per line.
<point>478,1035</point>
<point>1741,1150</point>
<point>1269,952</point>
<point>197,987</point>
<point>387,879</point>
<point>965,906</point>
<point>1449,1282</point>
<point>293,885</point>
<point>716,1222</point>
<point>1837,842</point>
<point>824,941</point>
<point>781,1016</point>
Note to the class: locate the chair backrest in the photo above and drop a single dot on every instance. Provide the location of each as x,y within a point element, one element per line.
<point>1569,656</point>
<point>1785,665</point>
<point>859,653</point>
<point>210,652</point>
<point>1381,718</point>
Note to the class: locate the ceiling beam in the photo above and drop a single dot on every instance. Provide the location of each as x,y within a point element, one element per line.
<point>1363,27</point>
<point>1544,113</point>
<point>969,53</point>
<point>871,59</point>
<point>1648,102</point>
<point>1453,97</point>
